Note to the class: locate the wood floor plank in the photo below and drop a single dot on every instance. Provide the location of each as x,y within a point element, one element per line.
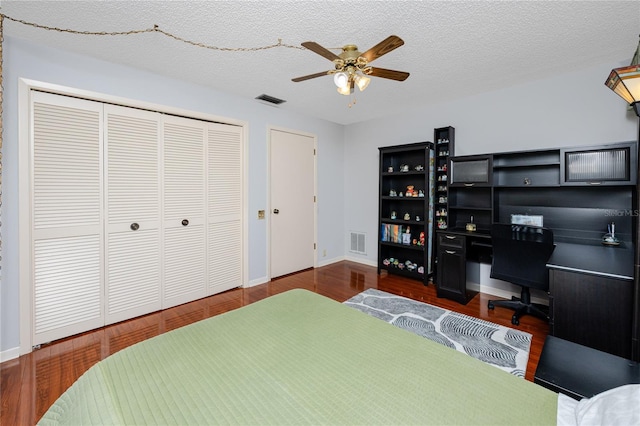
<point>31,383</point>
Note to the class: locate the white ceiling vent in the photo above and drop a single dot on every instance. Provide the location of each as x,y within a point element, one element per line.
<point>358,243</point>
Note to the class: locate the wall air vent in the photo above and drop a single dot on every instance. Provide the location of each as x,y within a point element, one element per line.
<point>357,243</point>
<point>270,99</point>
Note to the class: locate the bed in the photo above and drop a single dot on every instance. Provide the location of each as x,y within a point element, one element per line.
<point>297,358</point>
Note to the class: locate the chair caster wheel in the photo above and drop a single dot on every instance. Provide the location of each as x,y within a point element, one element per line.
<point>514,320</point>
<point>490,305</point>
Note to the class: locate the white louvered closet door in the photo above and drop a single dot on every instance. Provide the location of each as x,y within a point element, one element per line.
<point>133,253</point>
<point>224,225</point>
<point>185,269</point>
<point>66,190</point>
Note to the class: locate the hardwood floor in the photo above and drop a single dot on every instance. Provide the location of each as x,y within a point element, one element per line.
<point>31,383</point>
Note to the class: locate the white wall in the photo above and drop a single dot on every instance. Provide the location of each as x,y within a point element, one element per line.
<point>26,60</point>
<point>567,110</point>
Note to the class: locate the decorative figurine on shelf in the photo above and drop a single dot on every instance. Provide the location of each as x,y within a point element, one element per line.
<point>422,238</point>
<point>421,269</point>
<point>386,262</point>
<point>400,265</point>
<point>441,223</point>
<point>400,194</point>
<point>418,219</point>
<point>390,169</point>
<point>404,168</point>
<point>442,199</point>
<point>418,168</point>
<point>409,192</point>
<point>420,193</point>
<point>392,193</point>
<point>415,241</point>
<point>393,214</point>
<point>407,216</point>
<point>406,239</point>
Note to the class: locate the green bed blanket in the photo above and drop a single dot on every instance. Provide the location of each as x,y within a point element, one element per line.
<point>297,358</point>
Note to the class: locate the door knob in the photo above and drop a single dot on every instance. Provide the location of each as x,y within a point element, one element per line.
<point>185,222</point>
<point>276,211</point>
<point>134,226</point>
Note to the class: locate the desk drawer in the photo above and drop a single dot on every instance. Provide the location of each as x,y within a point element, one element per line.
<point>450,240</point>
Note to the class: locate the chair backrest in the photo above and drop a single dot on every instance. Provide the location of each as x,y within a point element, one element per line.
<point>520,254</point>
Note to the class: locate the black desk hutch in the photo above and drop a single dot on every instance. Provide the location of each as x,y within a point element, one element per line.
<point>578,191</point>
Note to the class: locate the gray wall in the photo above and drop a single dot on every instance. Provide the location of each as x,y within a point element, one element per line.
<point>567,110</point>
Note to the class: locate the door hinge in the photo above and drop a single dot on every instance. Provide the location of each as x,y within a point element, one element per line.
<point>314,246</point>
<point>314,198</point>
<point>314,151</point>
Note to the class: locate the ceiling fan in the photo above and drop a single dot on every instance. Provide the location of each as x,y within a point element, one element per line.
<point>352,67</point>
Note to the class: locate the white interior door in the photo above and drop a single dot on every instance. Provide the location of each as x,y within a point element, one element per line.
<point>292,203</point>
<point>185,256</point>
<point>225,206</point>
<point>66,190</point>
<point>132,147</point>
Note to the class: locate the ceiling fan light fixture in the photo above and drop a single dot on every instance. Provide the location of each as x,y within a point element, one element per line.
<point>341,79</point>
<point>362,81</point>
<point>346,90</point>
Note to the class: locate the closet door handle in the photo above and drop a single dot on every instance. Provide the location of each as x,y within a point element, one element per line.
<point>276,211</point>
<point>450,252</point>
<point>469,184</point>
<point>185,222</point>
<point>134,226</point>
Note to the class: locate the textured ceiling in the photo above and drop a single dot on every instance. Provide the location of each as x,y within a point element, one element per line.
<point>452,48</point>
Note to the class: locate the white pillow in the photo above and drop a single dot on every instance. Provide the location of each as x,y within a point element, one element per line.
<point>617,406</point>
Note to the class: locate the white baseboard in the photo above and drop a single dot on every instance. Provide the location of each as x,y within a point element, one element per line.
<point>361,260</point>
<point>257,281</point>
<point>325,262</point>
<point>9,354</point>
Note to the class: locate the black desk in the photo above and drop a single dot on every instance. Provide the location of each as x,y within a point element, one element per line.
<point>582,372</point>
<point>591,296</point>
<point>600,260</point>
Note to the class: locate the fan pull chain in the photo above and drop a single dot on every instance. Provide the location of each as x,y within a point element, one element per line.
<point>352,103</point>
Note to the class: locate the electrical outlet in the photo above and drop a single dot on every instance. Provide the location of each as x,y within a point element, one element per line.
<point>260,214</point>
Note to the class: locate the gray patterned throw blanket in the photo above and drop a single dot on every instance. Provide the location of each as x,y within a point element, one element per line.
<point>502,347</point>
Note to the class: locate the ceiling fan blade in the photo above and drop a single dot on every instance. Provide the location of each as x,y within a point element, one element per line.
<point>385,46</point>
<point>315,47</point>
<point>310,76</point>
<point>390,74</point>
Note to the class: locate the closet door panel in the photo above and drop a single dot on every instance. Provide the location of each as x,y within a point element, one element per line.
<point>225,207</point>
<point>225,262</point>
<point>133,273</point>
<point>66,199</point>
<point>184,272</point>
<point>68,291</point>
<point>185,268</point>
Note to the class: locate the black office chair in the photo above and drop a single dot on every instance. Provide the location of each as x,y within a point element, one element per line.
<point>520,255</point>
